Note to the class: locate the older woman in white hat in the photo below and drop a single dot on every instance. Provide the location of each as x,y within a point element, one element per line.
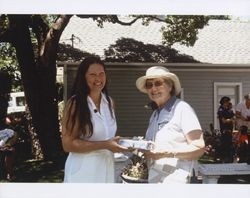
<point>173,127</point>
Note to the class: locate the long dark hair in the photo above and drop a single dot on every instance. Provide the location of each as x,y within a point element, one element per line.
<point>80,92</point>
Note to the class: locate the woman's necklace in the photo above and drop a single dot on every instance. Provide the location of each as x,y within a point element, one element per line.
<point>97,104</point>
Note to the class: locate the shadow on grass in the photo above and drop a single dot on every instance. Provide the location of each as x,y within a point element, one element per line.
<point>234,179</point>
<point>38,171</point>
<point>32,171</point>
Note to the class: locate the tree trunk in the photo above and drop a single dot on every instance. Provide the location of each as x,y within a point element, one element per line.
<point>39,80</point>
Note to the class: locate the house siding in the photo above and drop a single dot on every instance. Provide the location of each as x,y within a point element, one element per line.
<point>198,90</point>
<point>197,82</point>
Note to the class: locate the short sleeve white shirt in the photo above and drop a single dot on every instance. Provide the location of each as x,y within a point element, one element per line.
<point>172,126</point>
<point>168,127</point>
<point>241,107</point>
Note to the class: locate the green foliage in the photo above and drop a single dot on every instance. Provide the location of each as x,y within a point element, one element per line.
<point>4,22</point>
<point>220,17</point>
<point>182,29</point>
<point>49,19</point>
<point>7,55</point>
<point>68,53</point>
<point>101,19</point>
<point>130,50</point>
<point>8,63</point>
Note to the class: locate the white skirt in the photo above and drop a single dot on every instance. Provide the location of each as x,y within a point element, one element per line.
<point>171,170</point>
<point>91,167</point>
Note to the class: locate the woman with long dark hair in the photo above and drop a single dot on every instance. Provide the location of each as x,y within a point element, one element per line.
<point>89,127</point>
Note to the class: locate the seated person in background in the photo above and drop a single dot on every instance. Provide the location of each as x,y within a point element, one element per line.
<point>7,140</point>
<point>8,151</point>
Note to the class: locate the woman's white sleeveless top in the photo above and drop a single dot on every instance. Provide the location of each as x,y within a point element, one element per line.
<point>96,166</point>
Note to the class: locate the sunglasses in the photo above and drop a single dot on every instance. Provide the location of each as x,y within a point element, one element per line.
<point>157,83</point>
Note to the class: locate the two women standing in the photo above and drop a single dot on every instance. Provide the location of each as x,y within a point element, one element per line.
<point>89,128</point>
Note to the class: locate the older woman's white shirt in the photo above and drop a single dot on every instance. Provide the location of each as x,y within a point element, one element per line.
<point>96,166</point>
<point>170,136</point>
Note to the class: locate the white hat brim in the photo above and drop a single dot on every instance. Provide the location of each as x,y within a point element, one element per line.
<point>141,81</point>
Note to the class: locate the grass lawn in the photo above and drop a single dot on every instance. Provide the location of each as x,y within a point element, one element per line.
<point>48,172</point>
<point>38,171</point>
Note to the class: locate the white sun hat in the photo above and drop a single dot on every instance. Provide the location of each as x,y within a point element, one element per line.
<point>158,72</point>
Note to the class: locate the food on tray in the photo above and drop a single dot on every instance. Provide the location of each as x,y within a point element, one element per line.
<point>136,143</point>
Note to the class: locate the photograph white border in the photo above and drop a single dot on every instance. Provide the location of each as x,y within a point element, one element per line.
<point>193,7</point>
<point>184,7</point>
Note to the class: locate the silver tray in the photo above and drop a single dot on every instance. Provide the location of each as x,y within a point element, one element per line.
<point>136,144</point>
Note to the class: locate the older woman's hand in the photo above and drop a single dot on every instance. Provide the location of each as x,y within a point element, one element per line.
<point>155,155</point>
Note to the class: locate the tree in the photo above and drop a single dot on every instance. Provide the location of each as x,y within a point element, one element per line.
<point>36,38</point>
<point>68,53</point>
<point>37,64</point>
<point>5,88</point>
<point>8,63</point>
<point>129,50</point>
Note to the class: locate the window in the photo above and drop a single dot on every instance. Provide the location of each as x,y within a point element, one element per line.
<point>20,101</point>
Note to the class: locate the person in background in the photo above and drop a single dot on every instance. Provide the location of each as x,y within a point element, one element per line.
<point>173,128</point>
<point>89,127</point>
<point>225,115</point>
<point>226,120</point>
<point>230,107</point>
<point>242,111</point>
<point>8,138</point>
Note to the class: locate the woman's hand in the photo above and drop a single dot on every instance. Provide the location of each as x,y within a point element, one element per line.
<point>115,147</point>
<point>157,155</point>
